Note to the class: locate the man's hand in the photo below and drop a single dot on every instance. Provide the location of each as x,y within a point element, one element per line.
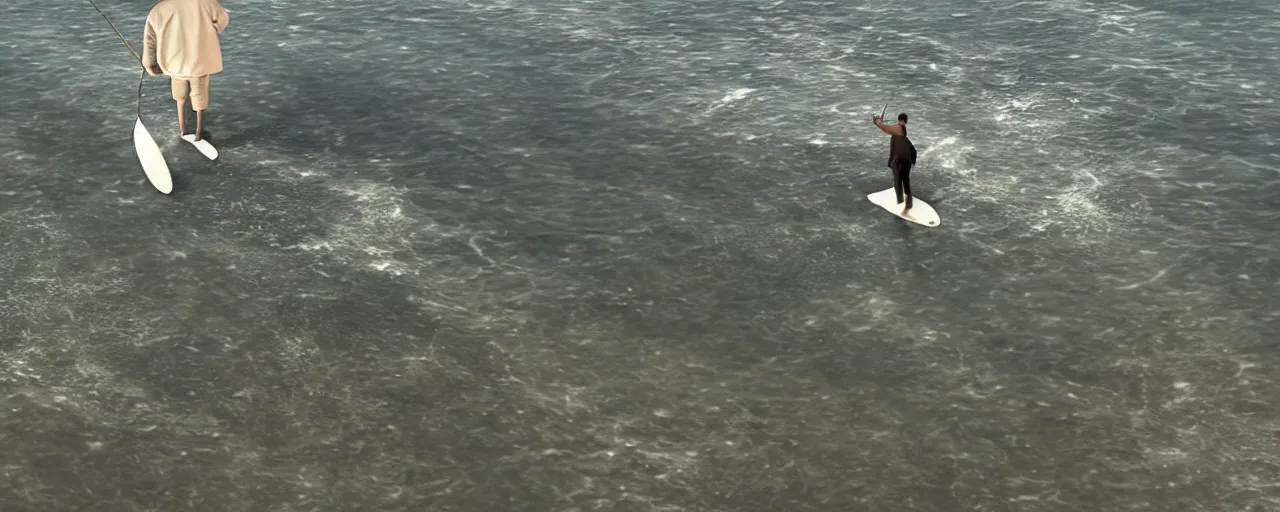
<point>155,70</point>
<point>875,118</point>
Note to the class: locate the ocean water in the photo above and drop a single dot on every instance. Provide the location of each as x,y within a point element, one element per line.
<point>574,255</point>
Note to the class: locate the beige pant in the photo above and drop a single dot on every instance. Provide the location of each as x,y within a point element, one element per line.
<point>195,89</point>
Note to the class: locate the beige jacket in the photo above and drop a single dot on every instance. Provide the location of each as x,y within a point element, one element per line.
<point>182,37</point>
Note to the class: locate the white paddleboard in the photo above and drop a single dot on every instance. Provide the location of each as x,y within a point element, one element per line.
<point>920,212</point>
<point>204,146</point>
<point>151,158</point>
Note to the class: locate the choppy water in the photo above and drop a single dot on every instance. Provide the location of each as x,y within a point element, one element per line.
<point>604,255</point>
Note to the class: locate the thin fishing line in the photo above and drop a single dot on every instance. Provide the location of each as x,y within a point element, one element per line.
<point>131,50</point>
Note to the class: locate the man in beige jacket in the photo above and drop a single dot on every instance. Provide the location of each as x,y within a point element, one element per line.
<point>182,41</point>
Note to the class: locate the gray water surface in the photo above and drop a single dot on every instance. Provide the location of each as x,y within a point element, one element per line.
<point>575,255</point>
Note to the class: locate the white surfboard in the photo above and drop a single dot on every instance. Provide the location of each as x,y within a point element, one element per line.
<point>151,158</point>
<point>920,212</point>
<point>204,146</point>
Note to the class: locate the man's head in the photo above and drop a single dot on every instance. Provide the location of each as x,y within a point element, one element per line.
<point>902,118</point>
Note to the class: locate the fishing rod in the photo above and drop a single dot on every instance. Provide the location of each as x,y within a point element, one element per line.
<point>131,50</point>
<point>117,31</point>
<point>149,154</point>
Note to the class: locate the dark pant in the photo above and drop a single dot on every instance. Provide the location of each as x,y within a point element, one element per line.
<point>902,181</point>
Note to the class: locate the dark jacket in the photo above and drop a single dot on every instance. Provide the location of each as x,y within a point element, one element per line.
<point>901,150</point>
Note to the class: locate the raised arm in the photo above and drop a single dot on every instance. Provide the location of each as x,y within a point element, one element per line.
<point>891,129</point>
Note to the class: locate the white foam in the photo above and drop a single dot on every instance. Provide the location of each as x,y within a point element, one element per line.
<point>735,95</point>
<point>394,268</point>
<point>313,246</point>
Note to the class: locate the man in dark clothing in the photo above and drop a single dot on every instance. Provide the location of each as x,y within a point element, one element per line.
<point>902,157</point>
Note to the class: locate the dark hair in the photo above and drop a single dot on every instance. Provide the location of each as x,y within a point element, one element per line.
<point>902,117</point>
